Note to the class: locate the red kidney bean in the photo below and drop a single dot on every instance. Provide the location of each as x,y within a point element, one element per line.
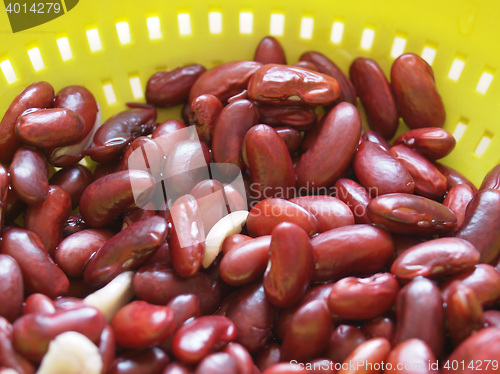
<point>205,110</point>
<point>291,137</point>
<point>356,249</point>
<point>371,354</point>
<point>436,258</point>
<point>148,157</point>
<point>329,211</point>
<point>74,179</point>
<point>137,214</point>
<point>270,51</point>
<point>126,250</point>
<point>420,314</point>
<point>107,347</point>
<point>177,368</point>
<point>311,135</point>
<point>284,85</point>
<point>150,360</point>
<point>243,359</point>
<point>269,213</point>
<point>432,142</point>
<point>36,95</point>
<point>38,303</point>
<point>340,131</point>
<point>363,298</point>
<point>375,93</point>
<point>74,223</point>
<point>158,284</point>
<point>73,253</point>
<point>233,241</point>
<point>454,177</point>
<point>484,280</point>
<point>40,273</point>
<point>375,137</point>
<point>11,288</point>
<point>457,199</point>
<point>101,170</point>
<point>231,126</point>
<point>140,324</point>
<point>267,159</point>
<point>286,368</point>
<point>418,100</point>
<point>111,139</point>
<point>169,135</point>
<point>246,261</point>
<point>381,327</point>
<point>297,117</point>
<point>54,127</point>
<point>308,332</point>
<point>380,172</point>
<point>355,196</point>
<point>9,358</point>
<point>402,213</point>
<point>492,179</point>
<point>184,307</point>
<point>403,242</point>
<point>481,225</point>
<point>203,335</point>
<point>224,80</point>
<point>113,194</point>
<point>474,352</point>
<point>243,95</point>
<point>253,316</point>
<point>47,219</point>
<point>4,190</point>
<point>29,175</point>
<point>306,65</point>
<point>217,363</point>
<point>168,88</point>
<point>491,318</point>
<point>429,182</point>
<point>412,356</point>
<point>326,66</point>
<point>33,332</point>
<point>464,313</point>
<point>268,356</point>
<point>321,365</point>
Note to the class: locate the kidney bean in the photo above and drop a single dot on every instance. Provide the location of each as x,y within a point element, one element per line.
<point>371,353</point>
<point>481,225</point>
<point>47,219</point>
<point>411,215</point>
<point>168,88</point>
<point>464,313</point>
<point>268,213</point>
<point>40,273</point>
<point>38,303</point>
<point>436,258</point>
<point>418,100</point>
<point>149,360</point>
<point>363,298</point>
<point>492,179</point>
<point>33,332</point>
<point>291,137</point>
<point>270,51</point>
<point>375,93</point>
<point>177,368</point>
<point>184,307</point>
<point>169,134</point>
<point>454,177</point>
<point>36,95</point>
<point>101,170</point>
<point>380,172</point>
<point>126,250</point>
<point>283,84</point>
<point>29,174</point>
<point>11,288</point>
<point>137,215</point>
<point>205,110</point>
<point>267,159</point>
<point>308,332</point>
<point>217,363</point>
<point>268,356</point>
<point>420,314</point>
<point>107,347</point>
<point>326,66</point>
<point>234,241</point>
<point>356,249</point>
<point>381,327</point>
<point>9,358</point>
<point>306,65</point>
<point>158,284</point>
<point>429,182</point>
<point>73,253</point>
<point>491,318</point>
<point>355,196</point>
<point>341,131</point>
<point>413,356</point>
<point>484,280</point>
<point>111,139</point>
<point>4,190</point>
<point>107,197</point>
<point>375,137</point>
<point>286,368</point>
<point>476,350</point>
<point>243,359</point>
<point>432,142</point>
<point>457,199</point>
<point>297,117</point>
<point>143,153</point>
<point>74,223</point>
<point>74,179</point>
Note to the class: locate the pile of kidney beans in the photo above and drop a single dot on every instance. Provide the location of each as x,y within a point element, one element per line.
<point>355,250</point>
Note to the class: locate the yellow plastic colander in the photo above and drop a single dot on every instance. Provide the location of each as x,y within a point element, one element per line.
<point>113,47</point>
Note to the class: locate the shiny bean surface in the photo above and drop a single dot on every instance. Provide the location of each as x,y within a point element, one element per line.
<point>29,175</point>
<point>11,288</point>
<point>413,356</point>
<point>205,110</point>
<point>454,177</point>
<point>9,358</point>
<point>291,137</point>
<point>355,196</point>
<point>492,179</point>
<point>373,351</point>
<point>4,190</point>
<point>298,117</point>
<point>149,360</point>
<point>74,179</point>
<point>457,199</point>
<point>432,142</point>
<point>270,51</point>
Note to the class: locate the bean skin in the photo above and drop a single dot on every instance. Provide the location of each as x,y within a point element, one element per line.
<point>217,363</point>
<point>170,135</point>
<point>297,117</point>
<point>291,137</point>
<point>457,199</point>
<point>285,368</point>
<point>11,288</point>
<point>243,359</point>
<point>74,179</point>
<point>148,360</point>
<point>38,303</point>
<point>375,137</point>
<point>205,110</point>
<point>373,351</point>
<point>454,177</point>
<point>431,142</point>
<point>492,179</point>
<point>355,196</point>
<point>412,356</point>
<point>9,358</point>
<point>381,327</point>
<point>270,51</point>
<point>4,190</point>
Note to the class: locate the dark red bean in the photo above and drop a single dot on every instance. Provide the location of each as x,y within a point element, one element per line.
<point>270,51</point>
<point>73,224</point>
<point>74,179</point>
<point>268,356</point>
<point>382,327</point>
<point>184,307</point>
<point>291,137</point>
<point>412,356</point>
<point>150,360</point>
<point>355,196</point>
<point>217,363</point>
<point>243,359</point>
<point>372,353</point>
<point>306,65</point>
<point>107,347</point>
<point>9,358</point>
<point>143,153</point>
<point>344,340</point>
<point>492,179</point>
<point>137,215</point>
<point>432,142</point>
<point>374,137</point>
<point>38,303</point>
<point>4,190</point>
<point>454,177</point>
<point>233,241</point>
<point>205,110</point>
<point>457,199</point>
<point>170,135</point>
<point>11,288</point>
<point>297,117</point>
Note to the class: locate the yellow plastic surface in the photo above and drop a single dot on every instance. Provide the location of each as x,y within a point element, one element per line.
<point>457,32</point>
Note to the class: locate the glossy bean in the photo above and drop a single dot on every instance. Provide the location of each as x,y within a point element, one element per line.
<point>205,110</point>
<point>341,131</point>
<point>9,358</point>
<point>38,303</point>
<point>29,174</point>
<point>291,137</point>
<point>355,196</point>
<point>47,219</point>
<point>4,190</point>
<point>243,359</point>
<point>137,215</point>
<point>150,360</point>
<point>454,177</point>
<point>402,213</point>
<point>432,142</point>
<point>143,153</point>
<point>420,314</point>
<point>375,93</point>
<point>74,179</point>
<point>381,327</point>
<point>107,197</point>
<point>184,307</point>
<point>177,368</point>
<point>297,117</point>
<point>216,363</point>
<point>267,159</point>
<point>491,318</point>
<point>350,250</point>
<point>37,95</point>
<point>170,135</point>
<point>268,356</point>
<point>492,179</point>
<point>107,347</point>
<point>270,51</point>
<point>371,353</point>
<point>375,137</point>
<point>73,224</point>
<point>11,288</point>
<point>413,356</point>
<point>418,100</point>
<point>168,88</point>
<point>457,199</point>
<point>363,298</point>
<point>481,225</point>
<point>306,65</point>
<point>40,273</point>
<point>234,241</point>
